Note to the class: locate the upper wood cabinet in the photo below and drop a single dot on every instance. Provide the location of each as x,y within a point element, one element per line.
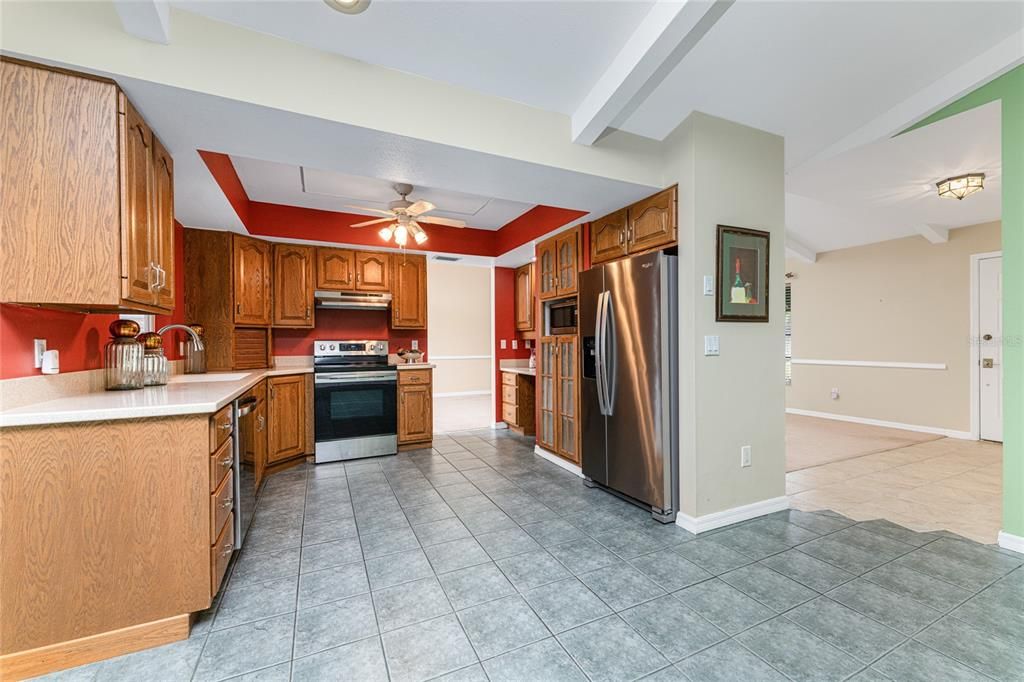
<point>293,285</point>
<point>608,237</point>
<point>409,291</point>
<point>372,271</point>
<point>251,269</point>
<point>559,261</point>
<point>525,304</point>
<point>548,286</point>
<point>335,269</point>
<point>287,412</point>
<point>88,197</point>
<point>653,221</point>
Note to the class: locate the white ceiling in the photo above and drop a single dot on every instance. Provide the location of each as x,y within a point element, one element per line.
<point>327,190</point>
<point>886,190</point>
<point>543,53</point>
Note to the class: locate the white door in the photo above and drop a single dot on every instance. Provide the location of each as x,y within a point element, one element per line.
<point>990,307</point>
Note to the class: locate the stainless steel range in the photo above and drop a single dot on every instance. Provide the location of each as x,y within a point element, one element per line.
<point>355,400</point>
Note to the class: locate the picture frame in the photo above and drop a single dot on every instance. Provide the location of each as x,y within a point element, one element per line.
<point>742,282</point>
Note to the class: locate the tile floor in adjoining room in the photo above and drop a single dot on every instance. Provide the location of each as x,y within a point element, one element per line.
<point>462,412</point>
<point>479,561</point>
<point>945,484</point>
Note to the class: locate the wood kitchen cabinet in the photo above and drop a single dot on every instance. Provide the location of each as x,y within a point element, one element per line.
<point>288,414</point>
<point>293,285</point>
<point>525,305</point>
<point>415,406</point>
<point>372,271</point>
<point>558,396</point>
<point>547,282</point>
<point>335,269</point>
<point>409,291</point>
<point>75,143</point>
<point>250,270</point>
<point>644,226</point>
<point>558,260</point>
<point>517,402</point>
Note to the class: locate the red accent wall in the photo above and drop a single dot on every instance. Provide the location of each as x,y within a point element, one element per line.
<point>505,328</point>
<point>79,337</point>
<point>346,324</point>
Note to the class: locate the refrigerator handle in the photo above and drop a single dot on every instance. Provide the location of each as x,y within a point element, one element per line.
<point>609,353</point>
<point>599,348</point>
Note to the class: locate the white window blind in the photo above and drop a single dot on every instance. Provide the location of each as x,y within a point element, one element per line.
<point>789,334</point>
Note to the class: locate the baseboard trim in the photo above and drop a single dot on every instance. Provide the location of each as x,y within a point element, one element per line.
<point>53,657</point>
<point>727,517</point>
<point>499,425</point>
<point>949,433</point>
<point>1014,543</point>
<point>459,394</point>
<point>558,461</point>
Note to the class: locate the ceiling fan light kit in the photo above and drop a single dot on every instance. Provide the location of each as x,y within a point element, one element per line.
<point>348,6</point>
<point>403,215</point>
<point>961,186</point>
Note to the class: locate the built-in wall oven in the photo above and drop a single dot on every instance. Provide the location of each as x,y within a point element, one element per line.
<point>355,400</point>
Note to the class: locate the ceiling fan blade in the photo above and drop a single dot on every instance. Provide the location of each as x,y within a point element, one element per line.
<point>370,210</point>
<point>372,222</point>
<point>441,221</point>
<point>420,207</point>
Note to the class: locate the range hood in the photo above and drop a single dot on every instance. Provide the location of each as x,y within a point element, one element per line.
<point>348,300</point>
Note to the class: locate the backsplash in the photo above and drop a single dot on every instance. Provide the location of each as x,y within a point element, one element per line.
<point>346,324</point>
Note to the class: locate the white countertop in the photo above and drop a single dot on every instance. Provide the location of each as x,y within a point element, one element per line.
<point>413,365</point>
<point>184,394</point>
<point>528,371</point>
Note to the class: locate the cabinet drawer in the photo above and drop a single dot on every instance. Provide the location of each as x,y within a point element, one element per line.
<point>508,378</point>
<point>414,376</point>
<point>220,427</point>
<point>221,502</point>
<point>220,553</point>
<point>508,395</point>
<point>510,414</point>
<point>220,464</point>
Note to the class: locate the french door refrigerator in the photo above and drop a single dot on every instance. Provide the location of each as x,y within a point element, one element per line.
<point>629,415</point>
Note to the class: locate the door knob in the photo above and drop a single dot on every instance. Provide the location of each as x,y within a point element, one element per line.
<point>987,363</point>
<point>987,337</point>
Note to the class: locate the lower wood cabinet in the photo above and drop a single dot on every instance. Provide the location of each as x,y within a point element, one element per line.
<point>517,402</point>
<point>415,406</point>
<point>288,417</point>
<point>558,395</point>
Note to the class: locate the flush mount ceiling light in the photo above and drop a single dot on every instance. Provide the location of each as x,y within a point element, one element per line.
<point>962,185</point>
<point>402,215</point>
<point>348,6</point>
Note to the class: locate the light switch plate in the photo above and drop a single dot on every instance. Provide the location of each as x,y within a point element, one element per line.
<point>709,285</point>
<point>711,345</point>
<point>504,344</point>
<point>515,344</point>
<point>415,344</point>
<point>39,349</point>
<point>745,456</point>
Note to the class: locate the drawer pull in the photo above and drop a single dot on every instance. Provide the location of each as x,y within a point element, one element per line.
<point>226,504</point>
<point>226,462</point>
<point>225,427</point>
<point>228,549</point>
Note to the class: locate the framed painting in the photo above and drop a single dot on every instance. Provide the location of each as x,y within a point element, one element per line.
<point>741,274</point>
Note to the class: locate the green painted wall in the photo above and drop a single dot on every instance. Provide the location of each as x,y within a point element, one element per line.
<point>1010,89</point>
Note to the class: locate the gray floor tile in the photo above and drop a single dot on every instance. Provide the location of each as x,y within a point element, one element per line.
<point>583,555</point>
<point>712,557</point>
<point>631,656</point>
<point>443,530</point>
<point>863,638</point>
<point>363,661</point>
<point>879,545</point>
<point>781,531</point>
<point>670,570</point>
<point>269,539</point>
<point>977,555</point>
<point>281,672</point>
<point>488,521</point>
<point>428,512</point>
<point>725,606</point>
<point>621,586</point>
<point>979,649</point>
<point>502,625</point>
<point>841,554</point>
<point>566,604</point>
<point>807,570</point>
<point>891,609</point>
<point>897,532</point>
<point>914,662</point>
<point>630,542</point>
<point>426,650</point>
<point>394,569</point>
<point>772,589</point>
<point>674,630</point>
<point>451,556</point>
<point>553,532</point>
<point>331,529</point>
<point>388,542</point>
<point>930,591</point>
<point>170,661</point>
<point>332,584</point>
<point>797,653</point>
<point>474,585</point>
<point>256,601</point>
<point>410,603</point>
<point>328,554</point>
<point>259,568</point>
<point>749,541</point>
<point>819,523</point>
<point>728,662</point>
<point>532,569</point>
<point>668,533</point>
<point>998,610</point>
<point>506,543</point>
<point>267,642</point>
<point>473,673</point>
<point>669,673</point>
<point>545,660</point>
<point>333,624</point>
<point>968,576</point>
<point>457,491</point>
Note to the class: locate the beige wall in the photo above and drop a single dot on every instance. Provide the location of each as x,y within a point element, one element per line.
<point>732,175</point>
<point>459,304</point>
<point>904,300</point>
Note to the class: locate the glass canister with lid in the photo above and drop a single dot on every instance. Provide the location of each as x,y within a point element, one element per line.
<point>123,357</point>
<point>155,368</point>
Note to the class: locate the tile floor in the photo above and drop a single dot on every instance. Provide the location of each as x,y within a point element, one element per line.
<point>479,561</point>
<point>948,484</point>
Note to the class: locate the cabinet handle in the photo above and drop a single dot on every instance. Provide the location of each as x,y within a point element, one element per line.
<point>226,426</point>
<point>228,549</point>
<point>226,504</point>
<point>622,236</point>
<point>259,422</point>
<point>161,277</point>
<point>238,308</point>
<point>152,276</point>
<point>226,462</point>
<point>307,312</point>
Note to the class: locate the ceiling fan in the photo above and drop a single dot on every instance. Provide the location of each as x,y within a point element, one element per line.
<point>405,217</point>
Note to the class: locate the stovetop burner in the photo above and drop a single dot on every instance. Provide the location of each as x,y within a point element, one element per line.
<point>349,356</point>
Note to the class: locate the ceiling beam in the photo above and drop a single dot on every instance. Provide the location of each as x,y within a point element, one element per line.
<point>146,19</point>
<point>933,233</point>
<point>800,250</point>
<point>666,35</point>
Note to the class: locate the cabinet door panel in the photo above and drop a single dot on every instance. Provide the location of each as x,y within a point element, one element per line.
<point>546,393</point>
<point>287,409</point>
<point>163,221</point>
<point>335,269</point>
<point>547,286</point>
<point>251,281</point>
<point>409,291</point>
<point>567,391</point>
<point>524,303</point>
<point>608,238</point>
<point>138,250</point>
<point>652,222</point>
<point>293,285</point>
<point>567,261</point>
<point>415,413</point>
<point>372,271</point>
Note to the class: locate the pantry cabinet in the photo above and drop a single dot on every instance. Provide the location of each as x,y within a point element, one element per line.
<point>558,396</point>
<point>287,411</point>
<point>293,285</point>
<point>525,305</point>
<point>409,291</point>
<point>89,223</point>
<point>649,224</point>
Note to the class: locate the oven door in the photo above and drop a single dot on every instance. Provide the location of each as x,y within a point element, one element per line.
<point>355,415</point>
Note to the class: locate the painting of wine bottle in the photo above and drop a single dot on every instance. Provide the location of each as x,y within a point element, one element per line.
<point>742,275</point>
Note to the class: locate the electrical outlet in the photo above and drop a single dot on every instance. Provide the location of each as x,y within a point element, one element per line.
<point>709,285</point>
<point>40,348</point>
<point>745,456</point>
<point>415,344</point>
<point>504,344</point>
<point>835,394</point>
<point>528,344</point>
<point>515,344</point>
<point>711,345</point>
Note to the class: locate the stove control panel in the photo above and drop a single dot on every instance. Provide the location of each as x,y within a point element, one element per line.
<point>342,348</point>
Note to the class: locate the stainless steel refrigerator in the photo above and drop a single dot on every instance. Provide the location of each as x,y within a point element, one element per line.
<point>629,414</point>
